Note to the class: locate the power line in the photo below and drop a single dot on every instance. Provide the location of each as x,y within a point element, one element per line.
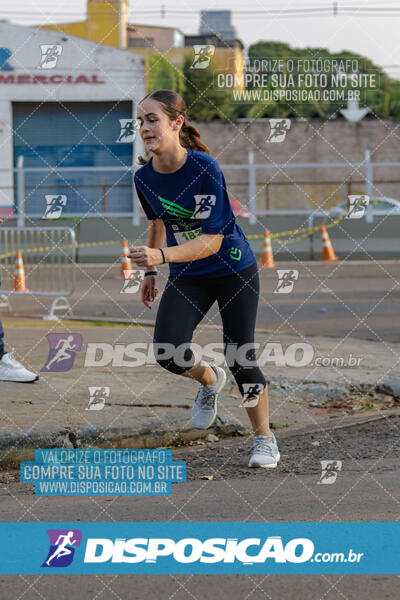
<point>335,9</point>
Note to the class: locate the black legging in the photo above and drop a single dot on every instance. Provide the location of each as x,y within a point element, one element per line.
<point>2,350</point>
<point>185,302</point>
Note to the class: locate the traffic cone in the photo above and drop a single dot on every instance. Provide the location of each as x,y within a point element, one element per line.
<point>126,264</point>
<point>267,257</point>
<point>328,253</point>
<point>19,274</point>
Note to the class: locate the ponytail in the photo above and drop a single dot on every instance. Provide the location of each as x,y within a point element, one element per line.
<point>189,137</point>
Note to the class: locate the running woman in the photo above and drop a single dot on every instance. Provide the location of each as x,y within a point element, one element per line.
<point>183,193</point>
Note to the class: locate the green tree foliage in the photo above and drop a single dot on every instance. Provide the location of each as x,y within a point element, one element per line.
<point>163,75</point>
<point>204,101</point>
<point>391,102</point>
<point>384,101</point>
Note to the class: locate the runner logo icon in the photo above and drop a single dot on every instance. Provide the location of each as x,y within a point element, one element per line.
<point>54,206</point>
<point>50,55</point>
<point>204,204</point>
<point>62,547</point>
<point>251,392</point>
<point>132,281</point>
<point>202,56</point>
<point>62,351</point>
<point>330,470</point>
<point>356,206</point>
<point>279,129</point>
<point>287,278</point>
<point>98,397</point>
<point>128,131</point>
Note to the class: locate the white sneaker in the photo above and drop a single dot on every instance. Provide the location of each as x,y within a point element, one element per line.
<point>204,410</point>
<point>12,370</point>
<point>264,452</point>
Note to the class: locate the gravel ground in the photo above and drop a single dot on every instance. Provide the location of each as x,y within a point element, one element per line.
<point>300,452</point>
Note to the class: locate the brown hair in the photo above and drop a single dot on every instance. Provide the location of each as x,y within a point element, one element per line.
<point>173,105</point>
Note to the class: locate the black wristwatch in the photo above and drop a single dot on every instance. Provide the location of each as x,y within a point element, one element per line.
<point>150,273</point>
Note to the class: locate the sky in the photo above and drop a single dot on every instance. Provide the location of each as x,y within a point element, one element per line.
<point>375,35</point>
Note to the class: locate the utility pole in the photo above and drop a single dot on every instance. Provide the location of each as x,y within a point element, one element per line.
<point>335,7</point>
<point>162,11</point>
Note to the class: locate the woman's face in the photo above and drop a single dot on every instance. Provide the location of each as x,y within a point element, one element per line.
<point>156,130</point>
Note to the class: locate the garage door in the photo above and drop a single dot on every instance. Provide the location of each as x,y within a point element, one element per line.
<point>79,134</point>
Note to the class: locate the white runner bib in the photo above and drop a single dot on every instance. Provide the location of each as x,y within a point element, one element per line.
<point>186,236</point>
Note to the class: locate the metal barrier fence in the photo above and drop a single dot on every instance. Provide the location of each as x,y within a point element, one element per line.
<point>279,195</point>
<point>49,256</point>
<point>111,193</point>
<point>367,166</point>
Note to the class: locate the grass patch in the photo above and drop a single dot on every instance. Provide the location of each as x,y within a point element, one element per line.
<point>27,324</point>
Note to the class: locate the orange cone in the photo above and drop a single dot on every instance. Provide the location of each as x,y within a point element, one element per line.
<point>267,257</point>
<point>19,274</point>
<point>328,253</point>
<point>126,264</point>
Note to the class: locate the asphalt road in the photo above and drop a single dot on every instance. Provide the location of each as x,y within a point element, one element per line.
<point>367,488</point>
<point>336,299</point>
<point>341,299</point>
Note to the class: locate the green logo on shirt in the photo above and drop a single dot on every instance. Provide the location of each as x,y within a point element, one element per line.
<point>236,253</point>
<point>175,209</point>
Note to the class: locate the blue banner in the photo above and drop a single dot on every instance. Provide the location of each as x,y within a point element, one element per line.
<point>89,472</point>
<point>200,548</point>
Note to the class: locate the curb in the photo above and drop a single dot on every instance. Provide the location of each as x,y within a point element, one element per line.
<point>140,322</point>
<point>18,447</point>
<point>123,321</point>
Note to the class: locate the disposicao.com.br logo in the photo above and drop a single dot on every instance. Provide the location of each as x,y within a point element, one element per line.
<point>247,551</point>
<point>140,550</point>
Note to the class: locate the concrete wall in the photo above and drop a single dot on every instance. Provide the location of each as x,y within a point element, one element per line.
<point>313,140</point>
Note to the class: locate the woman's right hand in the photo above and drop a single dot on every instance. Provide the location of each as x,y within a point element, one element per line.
<point>149,290</point>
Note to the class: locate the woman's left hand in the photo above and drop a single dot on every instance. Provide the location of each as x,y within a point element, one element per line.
<point>144,256</point>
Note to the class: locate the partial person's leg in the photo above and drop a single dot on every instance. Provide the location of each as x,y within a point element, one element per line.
<point>2,349</point>
<point>11,369</point>
<point>183,305</point>
<point>237,297</point>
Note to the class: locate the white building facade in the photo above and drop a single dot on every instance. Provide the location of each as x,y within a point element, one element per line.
<point>67,102</point>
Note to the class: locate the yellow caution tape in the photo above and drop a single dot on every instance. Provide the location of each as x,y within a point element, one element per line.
<point>306,231</point>
<point>49,248</point>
